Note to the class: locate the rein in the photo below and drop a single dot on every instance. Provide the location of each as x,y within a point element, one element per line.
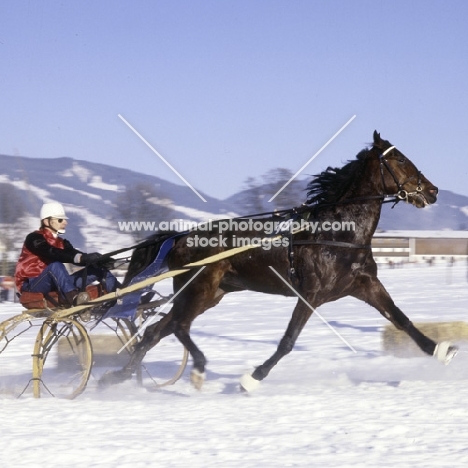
<point>348,245</point>
<point>400,195</point>
<point>108,256</point>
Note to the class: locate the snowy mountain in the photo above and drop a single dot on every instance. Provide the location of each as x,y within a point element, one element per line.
<point>90,194</point>
<point>89,191</point>
<point>449,213</point>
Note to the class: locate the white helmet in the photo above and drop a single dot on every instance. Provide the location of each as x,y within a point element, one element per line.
<point>52,210</point>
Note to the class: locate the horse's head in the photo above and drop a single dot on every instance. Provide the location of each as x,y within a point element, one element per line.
<point>400,176</point>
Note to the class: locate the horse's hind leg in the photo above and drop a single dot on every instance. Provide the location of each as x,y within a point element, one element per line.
<point>182,332</point>
<point>197,375</point>
<point>374,293</point>
<point>152,336</point>
<point>193,302</point>
<point>301,315</point>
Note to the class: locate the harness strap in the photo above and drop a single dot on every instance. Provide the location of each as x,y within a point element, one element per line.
<point>401,194</point>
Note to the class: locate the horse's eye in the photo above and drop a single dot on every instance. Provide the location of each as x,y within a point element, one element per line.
<point>401,159</point>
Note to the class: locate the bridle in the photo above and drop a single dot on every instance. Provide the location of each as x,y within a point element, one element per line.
<point>401,194</point>
<point>386,196</point>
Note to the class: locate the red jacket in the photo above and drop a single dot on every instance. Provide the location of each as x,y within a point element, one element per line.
<point>40,249</point>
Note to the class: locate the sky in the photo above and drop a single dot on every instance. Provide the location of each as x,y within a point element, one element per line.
<point>226,90</point>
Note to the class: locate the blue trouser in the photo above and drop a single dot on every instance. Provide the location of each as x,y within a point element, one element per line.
<point>55,277</point>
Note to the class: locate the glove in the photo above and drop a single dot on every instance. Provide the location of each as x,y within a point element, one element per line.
<point>90,258</point>
<point>108,263</point>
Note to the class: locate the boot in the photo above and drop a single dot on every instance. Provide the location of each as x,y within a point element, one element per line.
<point>81,298</point>
<point>75,297</point>
<point>70,296</point>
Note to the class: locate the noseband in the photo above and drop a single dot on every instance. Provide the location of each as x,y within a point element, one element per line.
<point>401,194</point>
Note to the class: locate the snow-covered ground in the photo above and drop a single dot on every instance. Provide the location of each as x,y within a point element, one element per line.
<point>322,406</point>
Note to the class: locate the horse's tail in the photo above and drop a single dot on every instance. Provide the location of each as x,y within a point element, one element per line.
<point>145,253</point>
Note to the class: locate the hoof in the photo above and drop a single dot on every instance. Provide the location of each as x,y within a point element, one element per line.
<point>445,352</point>
<point>197,378</point>
<point>248,383</point>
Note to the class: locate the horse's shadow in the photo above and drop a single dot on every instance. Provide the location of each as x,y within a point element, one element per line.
<point>363,329</point>
<point>238,339</point>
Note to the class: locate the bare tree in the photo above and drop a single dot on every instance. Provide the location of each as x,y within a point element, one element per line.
<point>12,211</point>
<point>141,203</point>
<point>290,195</point>
<point>253,196</point>
<point>259,191</point>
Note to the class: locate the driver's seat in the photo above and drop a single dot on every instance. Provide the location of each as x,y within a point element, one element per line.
<point>52,300</point>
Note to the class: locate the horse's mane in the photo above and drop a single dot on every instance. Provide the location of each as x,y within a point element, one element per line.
<point>330,185</point>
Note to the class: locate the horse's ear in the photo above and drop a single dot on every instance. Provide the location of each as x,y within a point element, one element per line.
<point>377,139</point>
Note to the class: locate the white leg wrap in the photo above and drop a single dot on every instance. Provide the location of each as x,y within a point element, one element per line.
<point>197,378</point>
<point>248,383</point>
<point>444,352</point>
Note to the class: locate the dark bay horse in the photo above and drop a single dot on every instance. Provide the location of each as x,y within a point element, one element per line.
<point>327,257</point>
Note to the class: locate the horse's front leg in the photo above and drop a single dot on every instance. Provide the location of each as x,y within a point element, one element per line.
<point>300,316</point>
<point>373,292</point>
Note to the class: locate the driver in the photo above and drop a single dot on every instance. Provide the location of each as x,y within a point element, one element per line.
<point>41,268</point>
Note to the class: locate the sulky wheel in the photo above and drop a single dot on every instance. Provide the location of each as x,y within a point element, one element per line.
<point>17,335</point>
<point>62,359</point>
<point>163,364</point>
<point>126,331</point>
